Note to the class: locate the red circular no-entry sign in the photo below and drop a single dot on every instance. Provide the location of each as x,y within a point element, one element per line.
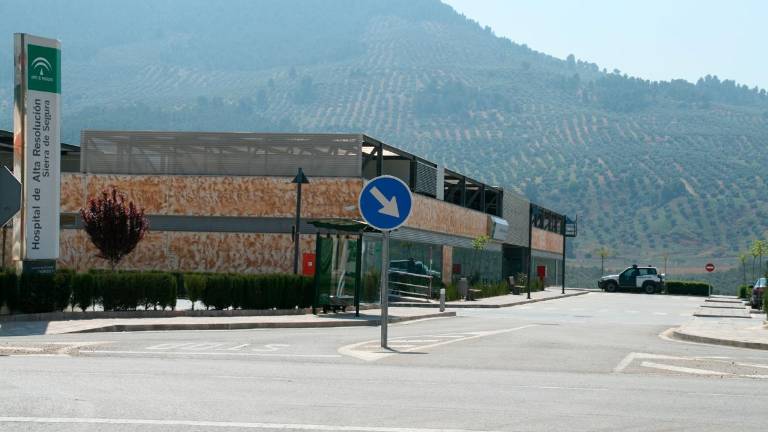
<point>709,267</point>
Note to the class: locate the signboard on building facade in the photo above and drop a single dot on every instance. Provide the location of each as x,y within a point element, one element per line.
<point>37,147</point>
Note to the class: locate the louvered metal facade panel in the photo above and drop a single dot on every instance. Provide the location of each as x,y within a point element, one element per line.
<point>426,179</point>
<point>516,210</point>
<point>421,236</point>
<point>214,153</point>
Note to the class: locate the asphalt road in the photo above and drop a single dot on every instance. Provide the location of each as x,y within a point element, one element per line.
<point>592,362</point>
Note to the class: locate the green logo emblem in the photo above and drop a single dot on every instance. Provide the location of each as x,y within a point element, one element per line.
<point>43,69</point>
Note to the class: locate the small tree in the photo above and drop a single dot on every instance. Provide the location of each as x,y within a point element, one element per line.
<point>755,250</point>
<point>478,244</point>
<point>743,257</point>
<point>604,253</point>
<point>114,225</point>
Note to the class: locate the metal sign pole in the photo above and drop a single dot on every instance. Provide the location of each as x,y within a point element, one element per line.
<point>384,287</point>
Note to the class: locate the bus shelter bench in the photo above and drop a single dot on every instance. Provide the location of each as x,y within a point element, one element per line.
<point>335,303</point>
<point>472,293</point>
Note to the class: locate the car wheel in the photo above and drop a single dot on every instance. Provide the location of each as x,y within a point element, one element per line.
<point>610,287</point>
<point>649,288</point>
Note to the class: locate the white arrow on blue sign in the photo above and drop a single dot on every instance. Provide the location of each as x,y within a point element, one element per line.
<point>385,203</point>
<point>10,196</point>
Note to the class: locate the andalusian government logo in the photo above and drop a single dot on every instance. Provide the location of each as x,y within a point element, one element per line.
<point>43,70</point>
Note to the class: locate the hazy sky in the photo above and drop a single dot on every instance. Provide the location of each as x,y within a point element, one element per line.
<point>652,39</point>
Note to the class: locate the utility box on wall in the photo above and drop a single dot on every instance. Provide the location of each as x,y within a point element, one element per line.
<point>541,271</point>
<point>308,264</point>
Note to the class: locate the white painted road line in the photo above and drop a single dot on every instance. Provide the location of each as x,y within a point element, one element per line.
<point>19,348</point>
<point>681,369</point>
<point>165,346</point>
<point>234,348</point>
<point>357,350</point>
<point>193,353</point>
<point>216,424</point>
<point>203,346</point>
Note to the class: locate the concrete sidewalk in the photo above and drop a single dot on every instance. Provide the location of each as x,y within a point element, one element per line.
<point>500,301</point>
<point>370,317</point>
<point>736,332</point>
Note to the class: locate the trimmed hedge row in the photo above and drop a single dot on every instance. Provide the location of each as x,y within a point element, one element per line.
<point>119,291</point>
<point>269,291</point>
<point>687,288</point>
<point>38,293</point>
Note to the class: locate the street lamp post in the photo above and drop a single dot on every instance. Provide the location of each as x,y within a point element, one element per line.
<point>300,179</point>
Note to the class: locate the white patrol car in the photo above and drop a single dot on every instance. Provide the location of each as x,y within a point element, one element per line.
<point>647,279</point>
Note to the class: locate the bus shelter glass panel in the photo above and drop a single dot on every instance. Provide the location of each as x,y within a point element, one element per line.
<point>371,270</point>
<point>336,270</point>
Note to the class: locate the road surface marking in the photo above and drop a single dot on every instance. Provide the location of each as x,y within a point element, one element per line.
<point>270,347</point>
<point>187,353</point>
<point>234,348</point>
<point>165,346</point>
<point>415,340</point>
<point>755,376</point>
<point>19,348</point>
<point>660,313</point>
<point>761,366</point>
<point>682,369</point>
<point>217,424</point>
<point>447,336</point>
<point>629,358</point>
<point>354,350</point>
<point>202,346</point>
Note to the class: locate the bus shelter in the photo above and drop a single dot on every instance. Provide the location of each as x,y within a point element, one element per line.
<point>338,257</point>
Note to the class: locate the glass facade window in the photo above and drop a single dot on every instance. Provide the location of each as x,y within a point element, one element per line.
<point>554,270</point>
<point>477,265</point>
<point>405,257</point>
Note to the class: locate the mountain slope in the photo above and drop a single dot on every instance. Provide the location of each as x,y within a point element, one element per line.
<point>649,168</point>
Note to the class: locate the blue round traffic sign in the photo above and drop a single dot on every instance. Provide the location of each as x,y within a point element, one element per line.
<point>385,202</point>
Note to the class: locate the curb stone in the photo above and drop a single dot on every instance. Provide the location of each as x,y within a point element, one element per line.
<point>256,325</point>
<point>717,341</point>
<point>469,305</point>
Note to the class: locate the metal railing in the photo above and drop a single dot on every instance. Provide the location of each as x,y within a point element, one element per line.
<point>406,284</point>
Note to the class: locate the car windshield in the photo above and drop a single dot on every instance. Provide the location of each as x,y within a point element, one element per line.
<point>762,282</point>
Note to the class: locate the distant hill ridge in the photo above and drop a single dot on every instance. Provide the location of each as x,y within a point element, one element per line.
<point>649,167</point>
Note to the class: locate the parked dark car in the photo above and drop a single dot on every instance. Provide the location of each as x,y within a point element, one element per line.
<point>757,293</point>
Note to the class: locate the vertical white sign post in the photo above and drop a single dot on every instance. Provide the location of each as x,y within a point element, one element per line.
<point>385,203</point>
<point>37,151</point>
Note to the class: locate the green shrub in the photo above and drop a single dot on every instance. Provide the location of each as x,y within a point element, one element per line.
<point>451,292</point>
<point>8,286</point>
<point>84,292</point>
<point>745,292</point>
<point>39,293</point>
<point>194,283</point>
<point>218,291</point>
<point>491,289</point>
<point>160,289</point>
<point>117,293</point>
<point>765,303</point>
<point>537,285</point>
<point>687,288</point>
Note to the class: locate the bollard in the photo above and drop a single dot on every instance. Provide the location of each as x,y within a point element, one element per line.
<point>442,299</point>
